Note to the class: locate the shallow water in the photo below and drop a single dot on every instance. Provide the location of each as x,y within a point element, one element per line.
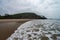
<point>37,30</point>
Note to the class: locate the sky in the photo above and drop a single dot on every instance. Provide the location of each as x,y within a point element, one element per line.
<point>48,8</point>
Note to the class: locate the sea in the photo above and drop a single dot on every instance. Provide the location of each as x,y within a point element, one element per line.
<point>37,29</point>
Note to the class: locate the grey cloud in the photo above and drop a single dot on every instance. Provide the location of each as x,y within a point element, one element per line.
<point>45,7</point>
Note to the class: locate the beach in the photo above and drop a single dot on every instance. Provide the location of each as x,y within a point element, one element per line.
<point>8,26</point>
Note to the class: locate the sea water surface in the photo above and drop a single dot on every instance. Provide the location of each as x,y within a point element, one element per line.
<point>37,30</point>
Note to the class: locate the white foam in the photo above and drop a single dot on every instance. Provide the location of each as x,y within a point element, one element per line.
<point>35,30</point>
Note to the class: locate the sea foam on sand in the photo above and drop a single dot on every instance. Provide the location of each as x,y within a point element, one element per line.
<point>37,30</point>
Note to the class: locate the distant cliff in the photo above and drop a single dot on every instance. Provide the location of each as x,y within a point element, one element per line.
<point>26,15</point>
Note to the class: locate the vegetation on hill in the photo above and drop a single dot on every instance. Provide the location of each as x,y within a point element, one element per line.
<point>26,15</point>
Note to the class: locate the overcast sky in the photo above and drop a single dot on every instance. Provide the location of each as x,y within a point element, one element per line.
<point>48,8</point>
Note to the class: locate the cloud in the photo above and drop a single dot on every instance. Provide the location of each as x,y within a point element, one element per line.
<point>15,5</point>
<point>45,7</point>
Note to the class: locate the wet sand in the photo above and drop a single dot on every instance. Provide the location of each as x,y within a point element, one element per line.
<point>8,26</point>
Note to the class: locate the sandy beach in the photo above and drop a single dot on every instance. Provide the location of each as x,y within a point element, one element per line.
<point>8,26</point>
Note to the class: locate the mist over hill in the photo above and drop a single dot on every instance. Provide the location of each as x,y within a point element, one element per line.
<point>26,15</point>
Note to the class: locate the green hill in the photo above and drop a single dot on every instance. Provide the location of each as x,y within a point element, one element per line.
<point>26,15</point>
